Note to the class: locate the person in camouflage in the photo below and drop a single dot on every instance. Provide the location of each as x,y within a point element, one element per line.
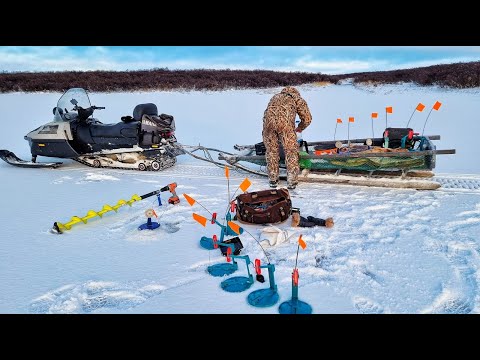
<point>279,126</point>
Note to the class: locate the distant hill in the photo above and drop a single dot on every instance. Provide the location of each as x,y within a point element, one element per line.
<point>459,75</point>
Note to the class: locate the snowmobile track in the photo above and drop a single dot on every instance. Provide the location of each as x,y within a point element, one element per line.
<point>459,183</point>
<point>164,164</point>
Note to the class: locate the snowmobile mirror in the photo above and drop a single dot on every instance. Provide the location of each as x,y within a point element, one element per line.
<point>338,144</point>
<point>56,108</point>
<point>74,102</point>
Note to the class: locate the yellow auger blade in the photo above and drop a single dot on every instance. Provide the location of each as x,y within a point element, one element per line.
<point>119,204</point>
<point>134,198</point>
<point>105,209</point>
<point>91,213</point>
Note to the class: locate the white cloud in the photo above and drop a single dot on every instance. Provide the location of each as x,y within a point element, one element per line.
<point>61,58</point>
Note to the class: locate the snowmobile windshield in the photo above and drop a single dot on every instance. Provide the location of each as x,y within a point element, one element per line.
<point>75,96</point>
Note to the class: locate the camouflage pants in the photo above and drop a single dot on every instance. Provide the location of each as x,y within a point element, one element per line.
<point>288,139</point>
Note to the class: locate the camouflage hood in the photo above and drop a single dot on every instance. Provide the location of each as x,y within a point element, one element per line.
<point>290,90</point>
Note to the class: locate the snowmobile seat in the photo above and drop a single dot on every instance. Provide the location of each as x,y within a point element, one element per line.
<point>119,130</point>
<point>144,109</point>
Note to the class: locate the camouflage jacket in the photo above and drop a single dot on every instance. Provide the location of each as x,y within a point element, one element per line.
<point>282,109</point>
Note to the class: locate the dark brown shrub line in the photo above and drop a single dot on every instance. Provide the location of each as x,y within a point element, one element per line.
<point>459,75</point>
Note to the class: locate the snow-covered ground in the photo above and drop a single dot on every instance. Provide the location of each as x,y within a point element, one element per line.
<point>390,251</point>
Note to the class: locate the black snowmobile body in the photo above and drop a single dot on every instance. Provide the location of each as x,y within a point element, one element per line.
<point>75,132</point>
<point>143,141</point>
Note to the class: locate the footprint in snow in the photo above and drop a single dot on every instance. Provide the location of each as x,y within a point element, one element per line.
<point>169,227</point>
<point>367,306</point>
<point>94,295</point>
<point>450,301</point>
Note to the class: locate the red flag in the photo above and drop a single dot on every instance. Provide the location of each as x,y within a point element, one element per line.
<point>245,184</point>
<point>227,173</point>
<point>200,219</point>
<point>437,105</point>
<point>420,107</point>
<point>389,109</point>
<point>302,243</point>
<point>339,121</point>
<point>190,200</point>
<point>234,227</point>
<point>351,119</point>
<point>374,115</point>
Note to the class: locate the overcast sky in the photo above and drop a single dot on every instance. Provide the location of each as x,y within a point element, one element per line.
<point>324,59</point>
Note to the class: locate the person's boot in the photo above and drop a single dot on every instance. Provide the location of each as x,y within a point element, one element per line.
<point>273,183</point>
<point>291,182</point>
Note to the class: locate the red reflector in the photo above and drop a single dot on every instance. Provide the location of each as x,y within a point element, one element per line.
<point>295,277</point>
<point>258,269</point>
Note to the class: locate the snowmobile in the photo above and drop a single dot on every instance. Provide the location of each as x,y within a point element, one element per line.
<point>144,141</point>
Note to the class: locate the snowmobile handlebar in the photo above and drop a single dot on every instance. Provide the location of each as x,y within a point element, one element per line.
<point>93,107</point>
<point>83,114</point>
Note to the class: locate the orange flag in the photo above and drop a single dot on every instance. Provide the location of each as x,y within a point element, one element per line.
<point>245,184</point>
<point>190,200</point>
<point>302,243</point>
<point>339,121</point>
<point>374,115</point>
<point>234,227</point>
<point>351,119</point>
<point>200,219</point>
<point>420,107</point>
<point>227,173</point>
<point>389,109</point>
<point>437,105</point>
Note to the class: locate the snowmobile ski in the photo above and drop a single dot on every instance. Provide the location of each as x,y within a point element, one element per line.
<point>12,159</point>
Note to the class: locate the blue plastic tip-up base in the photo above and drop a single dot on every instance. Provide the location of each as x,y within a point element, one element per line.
<point>263,298</point>
<point>294,307</point>
<point>236,284</point>
<point>149,226</point>
<point>206,243</point>
<point>222,269</point>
